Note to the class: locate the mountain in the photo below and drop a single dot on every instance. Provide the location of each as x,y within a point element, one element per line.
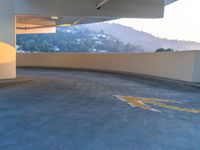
<point>99,37</point>
<point>141,39</point>
<point>73,39</point>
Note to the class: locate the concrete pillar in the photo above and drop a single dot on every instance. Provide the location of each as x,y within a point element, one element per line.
<point>7,40</point>
<point>196,68</point>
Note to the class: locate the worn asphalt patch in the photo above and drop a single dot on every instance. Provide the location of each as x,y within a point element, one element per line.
<point>14,82</point>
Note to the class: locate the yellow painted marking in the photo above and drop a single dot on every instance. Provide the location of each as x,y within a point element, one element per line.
<point>142,103</point>
<point>177,108</point>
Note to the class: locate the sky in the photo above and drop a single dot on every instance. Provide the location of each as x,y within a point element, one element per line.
<point>181,21</point>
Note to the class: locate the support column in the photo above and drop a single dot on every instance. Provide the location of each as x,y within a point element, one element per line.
<point>7,40</point>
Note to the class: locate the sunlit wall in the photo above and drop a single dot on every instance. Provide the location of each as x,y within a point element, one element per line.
<point>7,61</point>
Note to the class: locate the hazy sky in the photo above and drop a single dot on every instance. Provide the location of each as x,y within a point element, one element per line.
<point>181,21</point>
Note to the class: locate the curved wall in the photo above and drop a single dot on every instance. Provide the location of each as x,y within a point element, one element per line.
<point>172,65</point>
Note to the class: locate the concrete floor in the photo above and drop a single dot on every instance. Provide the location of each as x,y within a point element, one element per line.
<point>74,110</point>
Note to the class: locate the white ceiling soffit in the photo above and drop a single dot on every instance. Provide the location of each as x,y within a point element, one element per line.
<point>88,8</point>
<point>84,20</point>
<point>54,20</point>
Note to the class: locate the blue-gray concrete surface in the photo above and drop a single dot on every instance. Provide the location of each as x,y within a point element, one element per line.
<point>76,110</point>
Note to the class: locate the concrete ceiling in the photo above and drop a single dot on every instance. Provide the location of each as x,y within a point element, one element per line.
<point>110,10</point>
<point>88,8</point>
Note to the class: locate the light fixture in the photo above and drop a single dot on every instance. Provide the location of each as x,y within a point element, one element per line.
<point>100,4</point>
<point>54,17</point>
<point>64,25</point>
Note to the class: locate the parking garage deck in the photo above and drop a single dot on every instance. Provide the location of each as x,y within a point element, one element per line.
<point>80,110</point>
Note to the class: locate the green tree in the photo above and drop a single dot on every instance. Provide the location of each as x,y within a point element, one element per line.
<point>164,50</point>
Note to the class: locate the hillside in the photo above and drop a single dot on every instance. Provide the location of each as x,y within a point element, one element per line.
<point>100,37</point>
<point>73,39</point>
<point>144,40</point>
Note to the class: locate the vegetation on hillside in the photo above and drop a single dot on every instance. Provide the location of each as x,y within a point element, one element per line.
<point>72,39</point>
<point>147,42</point>
<point>164,50</point>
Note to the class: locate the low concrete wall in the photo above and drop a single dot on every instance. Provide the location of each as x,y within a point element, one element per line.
<point>172,65</point>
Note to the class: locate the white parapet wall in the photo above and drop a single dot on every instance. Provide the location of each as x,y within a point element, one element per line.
<point>182,66</point>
